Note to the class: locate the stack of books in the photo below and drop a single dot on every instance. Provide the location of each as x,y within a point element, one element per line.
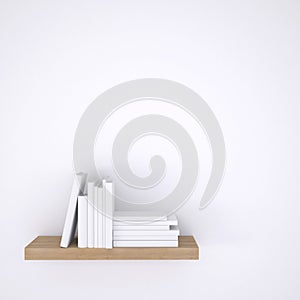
<point>144,229</point>
<point>95,215</point>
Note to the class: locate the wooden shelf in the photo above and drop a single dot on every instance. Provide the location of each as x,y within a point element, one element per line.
<point>47,248</point>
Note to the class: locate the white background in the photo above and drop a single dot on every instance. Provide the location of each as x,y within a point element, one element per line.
<point>242,57</point>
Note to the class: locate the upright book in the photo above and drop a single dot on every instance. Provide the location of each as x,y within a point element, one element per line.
<point>71,217</point>
<point>90,238</point>
<point>95,210</point>
<point>100,216</point>
<point>109,210</point>
<point>82,221</point>
<point>103,213</point>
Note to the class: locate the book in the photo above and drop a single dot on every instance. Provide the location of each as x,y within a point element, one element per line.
<point>90,226</point>
<point>100,216</point>
<point>103,213</point>
<point>174,231</point>
<point>95,218</point>
<point>71,216</point>
<point>146,238</point>
<point>171,220</point>
<point>82,221</point>
<point>145,243</point>
<point>109,209</point>
<point>141,216</point>
<point>141,227</point>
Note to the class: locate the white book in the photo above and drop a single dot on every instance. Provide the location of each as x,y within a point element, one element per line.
<point>103,213</point>
<point>100,216</point>
<point>145,243</point>
<point>91,214</point>
<point>95,210</point>
<point>109,202</point>
<point>174,231</point>
<point>82,221</point>
<point>171,220</point>
<point>139,216</point>
<point>146,238</point>
<point>71,216</point>
<point>141,227</point>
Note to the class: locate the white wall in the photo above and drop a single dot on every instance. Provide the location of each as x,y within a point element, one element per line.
<point>242,57</point>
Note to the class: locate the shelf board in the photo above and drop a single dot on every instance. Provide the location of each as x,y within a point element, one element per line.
<point>48,248</point>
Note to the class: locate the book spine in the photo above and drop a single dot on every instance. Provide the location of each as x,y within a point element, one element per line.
<point>95,211</point>
<point>146,238</point>
<point>138,223</point>
<point>145,243</point>
<point>104,214</point>
<point>139,218</point>
<point>82,221</point>
<point>109,212</point>
<point>174,231</point>
<point>90,215</point>
<point>141,227</point>
<point>169,222</point>
<point>100,216</point>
